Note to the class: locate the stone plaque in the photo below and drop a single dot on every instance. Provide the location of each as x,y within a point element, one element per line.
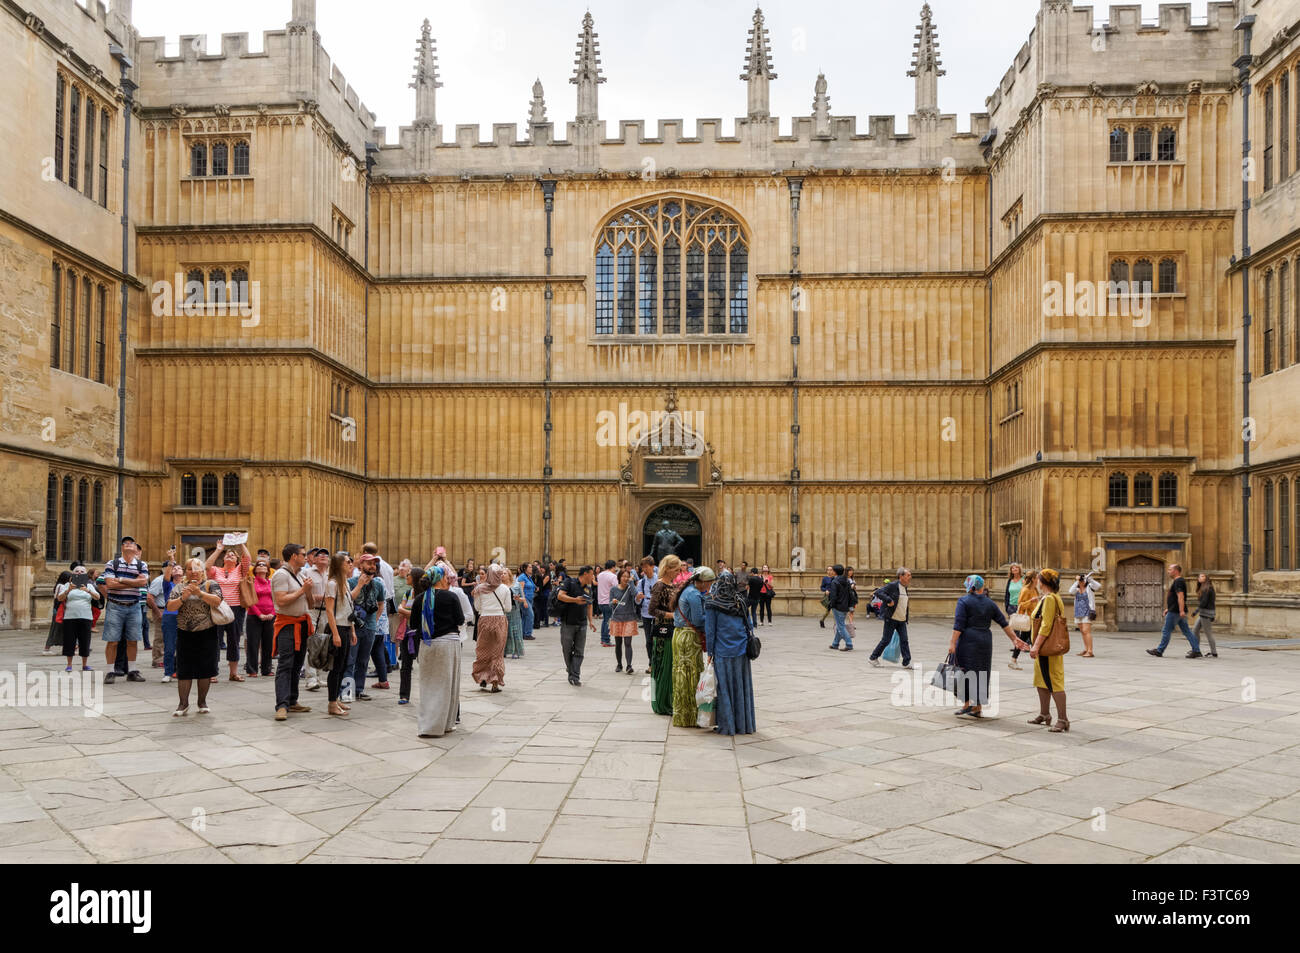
<point>666,471</point>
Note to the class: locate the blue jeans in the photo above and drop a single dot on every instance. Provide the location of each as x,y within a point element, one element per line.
<point>144,627</point>
<point>1174,619</point>
<point>526,617</point>
<point>169,644</point>
<point>359,659</point>
<point>753,613</point>
<point>606,611</point>
<point>841,629</point>
<point>122,622</point>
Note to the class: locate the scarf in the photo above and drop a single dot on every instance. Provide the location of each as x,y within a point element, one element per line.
<point>435,576</point>
<point>491,580</point>
<point>725,596</point>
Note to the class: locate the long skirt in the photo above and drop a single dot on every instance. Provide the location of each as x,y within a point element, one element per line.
<point>735,704</point>
<point>515,633</point>
<point>975,659</point>
<point>688,662</point>
<point>490,650</point>
<point>439,701</point>
<point>661,678</point>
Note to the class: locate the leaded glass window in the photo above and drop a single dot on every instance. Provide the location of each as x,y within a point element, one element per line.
<point>665,259</point>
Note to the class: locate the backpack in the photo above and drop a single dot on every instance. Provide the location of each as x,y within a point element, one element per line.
<point>553,603</point>
<point>876,607</point>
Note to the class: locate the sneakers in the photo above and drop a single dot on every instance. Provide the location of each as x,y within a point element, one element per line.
<point>1156,652</point>
<point>364,697</point>
<point>1014,664</point>
<point>281,714</point>
<point>69,669</point>
<point>166,679</point>
<point>313,685</point>
<point>134,677</point>
<point>47,652</point>
<point>875,662</point>
<point>619,669</point>
<point>110,678</point>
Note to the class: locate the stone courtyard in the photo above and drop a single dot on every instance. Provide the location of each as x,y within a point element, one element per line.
<point>1167,761</point>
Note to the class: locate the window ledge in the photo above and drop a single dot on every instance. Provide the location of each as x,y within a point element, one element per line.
<point>1167,510</point>
<point>1019,412</point>
<point>623,340</point>
<point>179,508</point>
<point>1145,163</point>
<point>216,178</point>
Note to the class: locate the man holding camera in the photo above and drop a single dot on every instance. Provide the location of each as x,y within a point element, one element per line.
<point>318,568</point>
<point>368,598</point>
<point>576,616</point>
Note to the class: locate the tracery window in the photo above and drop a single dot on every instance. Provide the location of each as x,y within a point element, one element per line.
<point>1118,490</point>
<point>1167,144</point>
<point>1167,489</point>
<point>668,259</point>
<point>1142,144</point>
<point>1119,144</point>
<point>1142,490</point>
<point>1168,275</point>
<point>208,486</point>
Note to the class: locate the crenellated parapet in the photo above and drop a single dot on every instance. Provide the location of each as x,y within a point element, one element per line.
<point>1070,48</point>
<point>291,68</point>
<point>927,143</point>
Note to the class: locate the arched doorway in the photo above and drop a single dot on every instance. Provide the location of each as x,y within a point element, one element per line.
<point>680,519</point>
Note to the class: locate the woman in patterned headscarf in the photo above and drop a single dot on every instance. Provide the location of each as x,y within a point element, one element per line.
<point>492,602</point>
<point>726,636</point>
<point>437,618</point>
<point>972,645</point>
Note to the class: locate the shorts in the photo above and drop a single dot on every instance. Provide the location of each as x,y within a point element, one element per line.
<point>121,621</point>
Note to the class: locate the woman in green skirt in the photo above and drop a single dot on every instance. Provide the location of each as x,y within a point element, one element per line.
<point>661,616</point>
<point>688,647</point>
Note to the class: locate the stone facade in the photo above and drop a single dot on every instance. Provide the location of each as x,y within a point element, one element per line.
<point>419,355</point>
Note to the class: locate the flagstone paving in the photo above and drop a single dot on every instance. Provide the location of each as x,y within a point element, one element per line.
<point>1167,761</point>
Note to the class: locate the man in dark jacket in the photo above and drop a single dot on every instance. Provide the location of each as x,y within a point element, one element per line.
<point>842,598</point>
<point>895,616</point>
<point>828,580</point>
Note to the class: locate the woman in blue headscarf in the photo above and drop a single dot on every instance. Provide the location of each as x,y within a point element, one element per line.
<point>726,635</point>
<point>972,645</point>
<point>436,619</point>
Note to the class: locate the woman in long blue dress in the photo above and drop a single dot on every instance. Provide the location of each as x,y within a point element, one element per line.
<point>726,640</point>
<point>972,644</point>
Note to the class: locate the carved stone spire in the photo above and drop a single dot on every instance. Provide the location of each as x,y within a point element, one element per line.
<point>926,65</point>
<point>586,75</point>
<point>537,108</point>
<point>758,68</point>
<point>425,81</point>
<point>821,107</point>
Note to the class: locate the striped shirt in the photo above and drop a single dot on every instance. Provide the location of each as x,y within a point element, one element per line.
<point>119,568</point>
<point>229,581</point>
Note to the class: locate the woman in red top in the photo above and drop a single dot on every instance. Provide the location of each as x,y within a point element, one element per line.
<point>769,590</point>
<point>260,622</point>
<point>233,568</point>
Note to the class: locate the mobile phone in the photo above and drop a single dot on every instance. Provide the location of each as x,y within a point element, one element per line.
<point>80,578</point>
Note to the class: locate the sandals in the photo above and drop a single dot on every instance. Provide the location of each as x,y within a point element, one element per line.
<point>1062,724</point>
<point>963,711</point>
<point>337,709</point>
<point>1041,720</point>
<point>236,677</point>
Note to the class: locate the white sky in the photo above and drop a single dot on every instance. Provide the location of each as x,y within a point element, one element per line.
<point>668,59</point>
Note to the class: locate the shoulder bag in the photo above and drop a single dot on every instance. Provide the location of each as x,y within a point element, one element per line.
<point>1057,641</point>
<point>222,614</point>
<point>247,594</point>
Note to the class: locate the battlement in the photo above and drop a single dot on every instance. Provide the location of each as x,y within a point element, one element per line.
<point>236,76</point>
<point>756,144</point>
<point>1070,46</point>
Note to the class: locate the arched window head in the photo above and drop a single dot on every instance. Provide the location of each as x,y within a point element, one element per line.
<point>1119,144</point>
<point>198,159</point>
<point>1117,492</point>
<point>1167,144</point>
<point>674,256</point>
<point>1143,490</point>
<point>217,285</point>
<point>1143,277</point>
<point>220,158</point>
<point>189,489</point>
<point>1142,144</point>
<point>208,487</point>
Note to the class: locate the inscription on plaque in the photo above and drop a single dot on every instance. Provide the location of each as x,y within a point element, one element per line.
<point>672,472</point>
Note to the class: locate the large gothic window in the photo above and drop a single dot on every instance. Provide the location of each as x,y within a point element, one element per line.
<point>669,259</point>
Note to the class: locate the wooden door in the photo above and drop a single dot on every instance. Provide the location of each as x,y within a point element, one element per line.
<point>1139,594</point>
<point>8,569</point>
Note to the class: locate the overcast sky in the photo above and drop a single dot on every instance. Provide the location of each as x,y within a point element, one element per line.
<point>668,59</point>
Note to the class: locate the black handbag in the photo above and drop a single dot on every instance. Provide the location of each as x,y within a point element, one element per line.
<point>753,647</point>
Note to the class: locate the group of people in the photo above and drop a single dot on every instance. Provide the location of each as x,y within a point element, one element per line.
<point>362,612</point>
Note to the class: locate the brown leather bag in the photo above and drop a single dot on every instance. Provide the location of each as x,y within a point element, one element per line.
<point>247,594</point>
<point>1058,640</point>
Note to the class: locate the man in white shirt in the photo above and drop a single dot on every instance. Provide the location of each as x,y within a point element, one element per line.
<point>895,616</point>
<point>606,581</point>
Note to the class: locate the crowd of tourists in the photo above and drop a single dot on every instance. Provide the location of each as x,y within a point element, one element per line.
<point>310,618</point>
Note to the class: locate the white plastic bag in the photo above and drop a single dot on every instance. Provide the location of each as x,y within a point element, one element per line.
<point>706,694</point>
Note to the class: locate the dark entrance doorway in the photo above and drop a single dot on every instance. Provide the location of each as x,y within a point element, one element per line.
<point>682,521</point>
